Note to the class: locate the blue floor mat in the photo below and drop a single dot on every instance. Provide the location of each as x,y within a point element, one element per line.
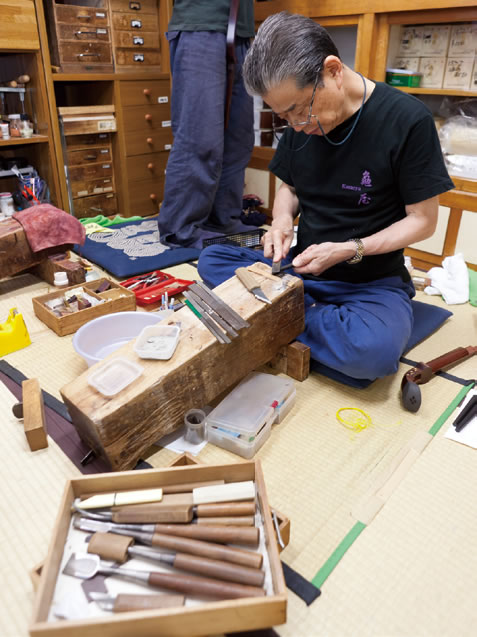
<point>132,248</point>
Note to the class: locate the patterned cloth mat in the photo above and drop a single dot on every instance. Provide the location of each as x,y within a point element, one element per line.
<point>315,471</point>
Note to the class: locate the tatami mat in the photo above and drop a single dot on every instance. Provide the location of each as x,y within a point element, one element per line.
<point>406,568</point>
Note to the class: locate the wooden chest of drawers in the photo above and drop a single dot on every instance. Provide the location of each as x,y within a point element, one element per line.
<point>80,36</point>
<point>147,139</point>
<point>136,35</point>
<point>90,174</point>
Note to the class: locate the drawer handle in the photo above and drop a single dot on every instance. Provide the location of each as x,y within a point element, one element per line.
<point>83,55</point>
<point>149,140</point>
<point>152,196</point>
<point>91,157</point>
<point>84,16</point>
<point>96,209</point>
<point>135,6</point>
<point>150,166</point>
<point>78,33</point>
<point>147,91</point>
<point>148,117</point>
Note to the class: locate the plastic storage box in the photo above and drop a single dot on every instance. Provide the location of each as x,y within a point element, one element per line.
<point>401,77</point>
<point>242,422</point>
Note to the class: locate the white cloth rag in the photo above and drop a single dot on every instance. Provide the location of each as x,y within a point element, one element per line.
<point>452,280</point>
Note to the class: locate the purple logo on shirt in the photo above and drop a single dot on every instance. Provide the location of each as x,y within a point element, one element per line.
<point>364,199</point>
<point>366,179</point>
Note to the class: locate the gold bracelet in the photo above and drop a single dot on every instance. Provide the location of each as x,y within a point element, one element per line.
<point>359,251</point>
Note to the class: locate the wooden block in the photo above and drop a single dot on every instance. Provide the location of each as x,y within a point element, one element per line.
<point>298,361</point>
<point>122,427</point>
<point>34,414</point>
<point>15,252</point>
<point>60,263</point>
<point>293,360</point>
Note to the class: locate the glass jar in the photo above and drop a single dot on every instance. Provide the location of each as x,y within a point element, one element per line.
<point>14,125</point>
<point>7,207</point>
<point>26,127</point>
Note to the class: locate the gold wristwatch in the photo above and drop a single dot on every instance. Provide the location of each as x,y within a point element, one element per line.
<point>359,251</point>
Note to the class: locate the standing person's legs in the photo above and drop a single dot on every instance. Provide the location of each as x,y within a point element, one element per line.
<point>197,112</point>
<point>238,145</point>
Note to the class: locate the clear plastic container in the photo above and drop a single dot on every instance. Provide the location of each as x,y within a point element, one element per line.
<point>157,341</point>
<point>26,127</point>
<point>242,422</point>
<point>114,376</point>
<point>194,422</point>
<point>14,125</point>
<point>7,207</point>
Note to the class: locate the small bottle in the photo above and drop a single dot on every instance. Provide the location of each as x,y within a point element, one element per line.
<point>4,130</point>
<point>61,280</point>
<point>7,207</point>
<point>15,125</point>
<point>26,127</point>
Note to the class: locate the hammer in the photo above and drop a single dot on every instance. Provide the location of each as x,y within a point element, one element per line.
<point>423,372</point>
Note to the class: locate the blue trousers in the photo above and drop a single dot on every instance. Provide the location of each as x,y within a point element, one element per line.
<point>358,330</point>
<point>206,167</point>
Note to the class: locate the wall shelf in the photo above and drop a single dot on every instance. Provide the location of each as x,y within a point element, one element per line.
<point>20,141</point>
<point>436,91</point>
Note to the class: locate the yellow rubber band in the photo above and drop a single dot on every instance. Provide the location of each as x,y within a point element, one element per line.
<point>358,420</point>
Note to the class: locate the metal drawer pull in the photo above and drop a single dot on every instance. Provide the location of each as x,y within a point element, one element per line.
<point>136,24</point>
<point>84,16</point>
<point>138,57</point>
<point>135,6</point>
<point>95,209</point>
<point>91,157</point>
<point>137,40</point>
<point>77,33</point>
<point>82,55</point>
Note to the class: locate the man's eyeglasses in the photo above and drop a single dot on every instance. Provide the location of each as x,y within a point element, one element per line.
<point>290,124</point>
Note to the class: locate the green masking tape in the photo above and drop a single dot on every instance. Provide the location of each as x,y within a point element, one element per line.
<point>337,554</point>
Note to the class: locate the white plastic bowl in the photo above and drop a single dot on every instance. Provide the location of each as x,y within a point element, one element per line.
<point>98,338</point>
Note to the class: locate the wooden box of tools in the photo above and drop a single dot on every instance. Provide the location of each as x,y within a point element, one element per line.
<point>122,427</point>
<point>116,299</point>
<point>196,618</point>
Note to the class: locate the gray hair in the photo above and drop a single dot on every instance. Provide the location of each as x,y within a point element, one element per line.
<point>286,46</point>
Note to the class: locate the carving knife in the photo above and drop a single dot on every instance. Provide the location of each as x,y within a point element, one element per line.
<point>251,284</point>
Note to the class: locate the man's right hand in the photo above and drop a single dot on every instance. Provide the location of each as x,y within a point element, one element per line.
<point>277,241</point>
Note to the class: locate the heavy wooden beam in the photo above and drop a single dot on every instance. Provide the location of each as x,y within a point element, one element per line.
<point>123,427</point>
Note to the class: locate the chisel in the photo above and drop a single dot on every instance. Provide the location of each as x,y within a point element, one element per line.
<point>119,548</point>
<point>251,284</point>
<point>184,545</point>
<point>180,513</point>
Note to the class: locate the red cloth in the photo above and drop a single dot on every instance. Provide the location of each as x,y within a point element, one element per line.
<point>48,227</point>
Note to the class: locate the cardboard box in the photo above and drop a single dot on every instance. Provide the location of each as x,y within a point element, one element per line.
<point>407,63</point>
<point>410,41</point>
<point>463,40</point>
<point>458,73</point>
<point>432,70</point>
<point>117,299</point>
<point>435,40</point>
<point>207,618</point>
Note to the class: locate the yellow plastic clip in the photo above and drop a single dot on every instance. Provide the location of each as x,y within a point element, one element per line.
<point>13,333</point>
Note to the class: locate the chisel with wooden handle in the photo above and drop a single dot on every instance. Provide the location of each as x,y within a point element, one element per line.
<point>149,537</point>
<point>249,281</point>
<point>118,548</point>
<point>171,511</point>
<point>87,565</point>
<point>124,602</point>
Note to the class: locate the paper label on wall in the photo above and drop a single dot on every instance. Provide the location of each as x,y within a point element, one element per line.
<point>163,99</point>
<point>100,14</point>
<point>166,123</point>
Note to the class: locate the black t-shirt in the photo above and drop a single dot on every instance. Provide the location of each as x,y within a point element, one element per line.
<point>393,158</point>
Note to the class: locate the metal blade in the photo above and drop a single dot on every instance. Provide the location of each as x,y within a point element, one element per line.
<point>235,320</point>
<point>258,294</point>
<point>276,265</point>
<point>82,565</point>
<point>205,307</point>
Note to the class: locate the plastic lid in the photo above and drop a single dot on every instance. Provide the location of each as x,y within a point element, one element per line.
<point>251,403</point>
<point>114,375</point>
<point>24,117</point>
<point>15,116</point>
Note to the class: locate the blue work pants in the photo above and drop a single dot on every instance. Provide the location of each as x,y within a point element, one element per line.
<point>360,330</point>
<point>206,167</point>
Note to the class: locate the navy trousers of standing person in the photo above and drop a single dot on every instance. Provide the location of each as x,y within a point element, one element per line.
<point>206,168</point>
<point>359,330</point>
